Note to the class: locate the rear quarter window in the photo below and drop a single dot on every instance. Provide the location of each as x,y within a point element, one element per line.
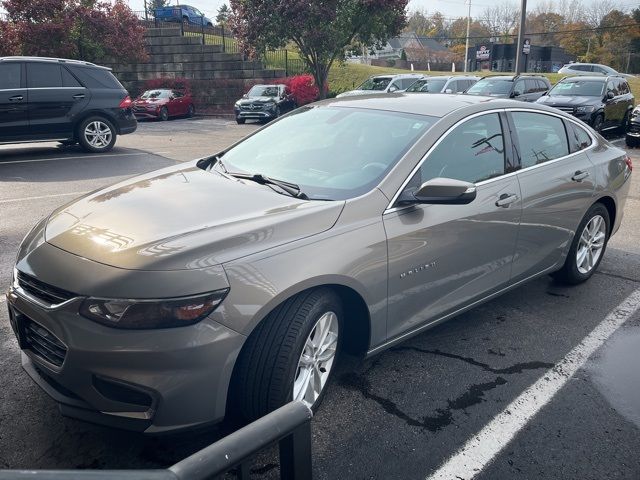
<point>96,78</point>
<point>579,139</point>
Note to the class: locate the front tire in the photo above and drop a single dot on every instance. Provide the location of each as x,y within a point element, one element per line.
<point>96,135</point>
<point>290,355</point>
<point>164,114</point>
<point>588,247</point>
<point>632,142</point>
<point>598,122</point>
<point>191,111</point>
<point>240,121</point>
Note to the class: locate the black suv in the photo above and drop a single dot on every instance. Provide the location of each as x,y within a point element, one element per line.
<point>602,102</point>
<point>527,88</point>
<point>45,99</point>
<point>263,102</point>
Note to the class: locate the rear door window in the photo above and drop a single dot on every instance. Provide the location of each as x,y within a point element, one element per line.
<point>541,137</point>
<point>10,75</point>
<point>44,75</point>
<point>472,151</point>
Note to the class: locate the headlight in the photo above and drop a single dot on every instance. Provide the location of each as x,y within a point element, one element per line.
<point>14,278</point>
<point>636,112</point>
<point>146,314</point>
<point>585,109</point>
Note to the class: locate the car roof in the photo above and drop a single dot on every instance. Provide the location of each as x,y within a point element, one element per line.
<point>397,75</point>
<point>51,60</point>
<point>432,105</point>
<point>268,85</point>
<point>591,78</point>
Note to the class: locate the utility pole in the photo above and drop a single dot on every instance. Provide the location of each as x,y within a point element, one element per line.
<point>466,47</point>
<point>519,59</point>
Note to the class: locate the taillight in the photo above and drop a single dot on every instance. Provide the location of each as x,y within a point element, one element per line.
<point>126,102</point>
<point>627,160</point>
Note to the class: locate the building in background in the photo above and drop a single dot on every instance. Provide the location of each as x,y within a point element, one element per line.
<point>501,57</point>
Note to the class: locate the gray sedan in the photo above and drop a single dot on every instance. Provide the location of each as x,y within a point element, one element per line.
<point>232,283</point>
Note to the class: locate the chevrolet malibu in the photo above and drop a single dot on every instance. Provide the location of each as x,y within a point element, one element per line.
<point>231,284</point>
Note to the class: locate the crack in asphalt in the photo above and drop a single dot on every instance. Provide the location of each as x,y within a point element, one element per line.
<point>442,417</point>
<point>517,368</point>
<point>613,275</point>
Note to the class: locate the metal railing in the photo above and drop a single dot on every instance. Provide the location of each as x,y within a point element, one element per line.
<point>290,426</point>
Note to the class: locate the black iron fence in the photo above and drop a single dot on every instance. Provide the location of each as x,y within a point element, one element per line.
<point>289,426</point>
<point>285,60</point>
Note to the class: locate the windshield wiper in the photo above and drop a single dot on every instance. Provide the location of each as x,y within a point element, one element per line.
<point>290,188</point>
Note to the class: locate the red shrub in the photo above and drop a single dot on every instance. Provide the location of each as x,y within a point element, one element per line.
<point>303,89</point>
<point>181,84</point>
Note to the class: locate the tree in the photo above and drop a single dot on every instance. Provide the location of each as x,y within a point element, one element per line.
<point>153,4</point>
<point>80,29</point>
<point>501,20</point>
<point>223,15</point>
<point>320,30</point>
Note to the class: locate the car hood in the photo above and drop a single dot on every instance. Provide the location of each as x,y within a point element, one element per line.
<point>246,101</point>
<point>568,100</point>
<point>183,218</point>
<point>150,101</point>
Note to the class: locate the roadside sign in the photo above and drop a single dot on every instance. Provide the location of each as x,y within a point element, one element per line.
<point>483,53</point>
<point>526,48</point>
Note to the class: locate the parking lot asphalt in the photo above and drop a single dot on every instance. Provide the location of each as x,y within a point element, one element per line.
<point>402,414</point>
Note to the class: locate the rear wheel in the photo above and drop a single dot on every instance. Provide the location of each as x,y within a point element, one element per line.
<point>588,246</point>
<point>96,135</point>
<point>290,355</point>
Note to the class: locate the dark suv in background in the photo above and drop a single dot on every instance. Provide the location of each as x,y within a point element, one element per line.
<point>46,99</point>
<point>527,88</point>
<point>602,102</point>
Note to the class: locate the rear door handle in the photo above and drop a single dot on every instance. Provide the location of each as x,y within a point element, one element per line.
<point>579,176</point>
<point>78,96</point>
<point>506,199</point>
<point>16,98</point>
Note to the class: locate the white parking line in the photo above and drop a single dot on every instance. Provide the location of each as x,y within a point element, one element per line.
<point>75,157</point>
<point>483,447</point>
<point>8,200</point>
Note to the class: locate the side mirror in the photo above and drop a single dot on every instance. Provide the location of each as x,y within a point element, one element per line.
<point>448,90</point>
<point>515,94</point>
<point>444,191</point>
<point>610,95</point>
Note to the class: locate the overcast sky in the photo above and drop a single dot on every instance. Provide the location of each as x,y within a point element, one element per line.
<point>450,8</point>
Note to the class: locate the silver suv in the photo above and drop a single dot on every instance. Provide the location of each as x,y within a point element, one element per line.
<point>233,282</point>
<point>384,84</point>
<point>588,69</point>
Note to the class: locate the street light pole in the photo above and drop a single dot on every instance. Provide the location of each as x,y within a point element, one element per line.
<point>466,47</point>
<point>519,59</point>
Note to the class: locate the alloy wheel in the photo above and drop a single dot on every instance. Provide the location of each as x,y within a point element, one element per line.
<point>98,134</point>
<point>317,358</point>
<point>591,244</point>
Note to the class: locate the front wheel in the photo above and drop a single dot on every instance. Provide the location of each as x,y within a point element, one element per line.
<point>96,135</point>
<point>624,126</point>
<point>191,111</point>
<point>598,122</point>
<point>588,246</point>
<point>241,121</point>
<point>631,141</point>
<point>290,355</point>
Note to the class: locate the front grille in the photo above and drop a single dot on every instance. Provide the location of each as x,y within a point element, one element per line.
<point>566,109</point>
<point>42,342</point>
<point>252,107</point>
<point>634,127</point>
<point>42,291</point>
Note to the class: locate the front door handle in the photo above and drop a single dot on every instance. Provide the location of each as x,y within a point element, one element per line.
<point>579,176</point>
<point>16,98</point>
<point>506,199</point>
<point>78,96</point>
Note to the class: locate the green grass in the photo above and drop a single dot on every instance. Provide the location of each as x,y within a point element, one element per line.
<point>350,75</point>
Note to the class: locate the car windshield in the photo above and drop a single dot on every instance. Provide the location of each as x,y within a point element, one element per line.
<point>491,86</point>
<point>150,94</point>
<point>263,91</point>
<point>428,85</point>
<point>375,83</point>
<point>332,153</point>
<point>578,88</point>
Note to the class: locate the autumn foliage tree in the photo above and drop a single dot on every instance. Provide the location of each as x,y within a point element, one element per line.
<point>80,29</point>
<point>320,30</point>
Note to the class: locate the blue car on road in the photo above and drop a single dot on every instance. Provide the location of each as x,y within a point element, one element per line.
<point>182,13</point>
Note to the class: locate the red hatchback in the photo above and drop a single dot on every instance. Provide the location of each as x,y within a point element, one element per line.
<point>163,103</point>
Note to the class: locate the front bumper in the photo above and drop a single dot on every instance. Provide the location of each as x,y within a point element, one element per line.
<point>634,128</point>
<point>254,114</point>
<point>151,381</point>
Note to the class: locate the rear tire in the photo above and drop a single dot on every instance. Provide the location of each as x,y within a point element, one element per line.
<point>584,256</point>
<point>278,355</point>
<point>96,135</point>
